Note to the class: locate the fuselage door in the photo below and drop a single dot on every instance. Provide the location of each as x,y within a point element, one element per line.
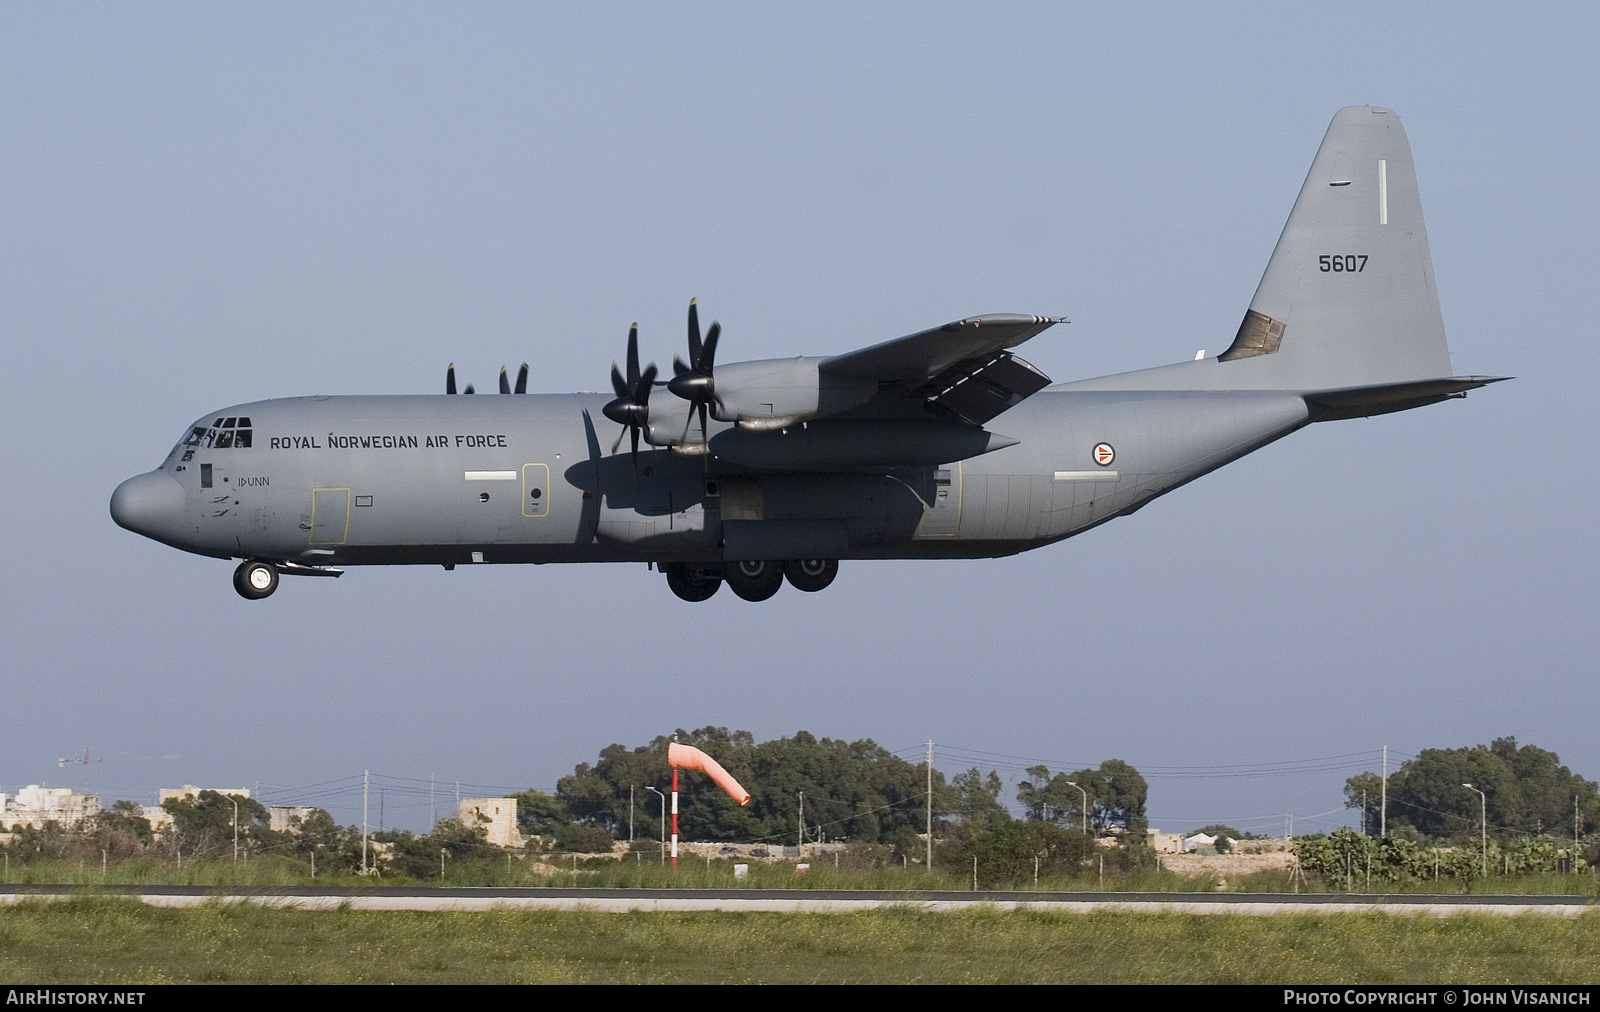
<point>941,512</point>
<point>330,516</point>
<point>535,490</point>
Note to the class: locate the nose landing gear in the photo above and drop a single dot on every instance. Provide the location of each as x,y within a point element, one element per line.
<point>255,580</point>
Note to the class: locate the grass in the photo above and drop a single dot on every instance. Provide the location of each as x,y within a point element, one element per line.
<point>106,940</point>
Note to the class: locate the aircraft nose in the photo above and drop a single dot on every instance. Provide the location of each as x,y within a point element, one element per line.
<point>148,504</point>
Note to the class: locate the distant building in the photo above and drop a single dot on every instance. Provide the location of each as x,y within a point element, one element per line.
<point>283,817</point>
<point>1164,843</point>
<point>497,816</point>
<point>33,806</point>
<point>161,819</point>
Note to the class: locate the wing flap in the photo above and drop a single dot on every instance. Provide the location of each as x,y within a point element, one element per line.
<point>975,392</point>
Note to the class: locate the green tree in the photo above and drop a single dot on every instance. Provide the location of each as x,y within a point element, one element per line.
<point>118,832</point>
<point>855,791</point>
<point>1365,792</point>
<point>541,814</point>
<point>1526,790</point>
<point>981,807</point>
<point>203,825</point>
<point>1004,853</point>
<point>1116,793</point>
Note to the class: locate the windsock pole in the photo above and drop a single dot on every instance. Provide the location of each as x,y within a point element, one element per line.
<point>674,818</point>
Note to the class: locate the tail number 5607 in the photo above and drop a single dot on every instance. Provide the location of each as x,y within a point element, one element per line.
<point>1348,263</point>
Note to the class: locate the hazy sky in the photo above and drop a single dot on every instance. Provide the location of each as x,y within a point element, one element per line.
<point>207,204</point>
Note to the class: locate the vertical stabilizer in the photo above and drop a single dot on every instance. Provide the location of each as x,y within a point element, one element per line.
<point>1348,298</point>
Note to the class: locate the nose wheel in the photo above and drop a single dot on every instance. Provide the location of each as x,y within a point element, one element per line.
<point>255,580</point>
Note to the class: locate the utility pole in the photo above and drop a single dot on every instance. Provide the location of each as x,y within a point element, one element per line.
<point>366,777</point>
<point>929,865</point>
<point>630,818</point>
<point>1383,808</point>
<point>800,834</point>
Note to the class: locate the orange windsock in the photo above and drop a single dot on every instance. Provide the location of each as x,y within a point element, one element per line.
<point>687,757</point>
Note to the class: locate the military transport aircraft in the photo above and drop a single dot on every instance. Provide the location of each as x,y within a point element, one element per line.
<point>764,471</point>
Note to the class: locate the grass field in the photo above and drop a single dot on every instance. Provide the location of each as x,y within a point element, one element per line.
<point>104,940</point>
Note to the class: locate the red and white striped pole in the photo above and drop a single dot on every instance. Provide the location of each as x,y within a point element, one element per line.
<point>674,818</point>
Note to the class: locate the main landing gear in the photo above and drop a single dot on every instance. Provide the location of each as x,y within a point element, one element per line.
<point>255,580</point>
<point>751,579</point>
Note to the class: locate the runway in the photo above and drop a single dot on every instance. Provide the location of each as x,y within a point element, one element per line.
<point>460,899</point>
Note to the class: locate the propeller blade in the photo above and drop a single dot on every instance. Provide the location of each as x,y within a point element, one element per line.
<point>619,438</point>
<point>633,430</point>
<point>616,382</point>
<point>505,384</point>
<point>633,357</point>
<point>709,353</point>
<point>641,393</point>
<point>522,379</point>
<point>694,335</point>
<point>703,437</point>
<point>450,379</point>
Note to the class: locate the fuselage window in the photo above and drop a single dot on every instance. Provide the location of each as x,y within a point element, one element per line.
<point>198,433</point>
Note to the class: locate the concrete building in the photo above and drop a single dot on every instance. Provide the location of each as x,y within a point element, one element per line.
<point>34,805</point>
<point>497,816</point>
<point>283,816</point>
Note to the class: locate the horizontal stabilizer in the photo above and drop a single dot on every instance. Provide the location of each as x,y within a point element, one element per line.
<point>1362,402</point>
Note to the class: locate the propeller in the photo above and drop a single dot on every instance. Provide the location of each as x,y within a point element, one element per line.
<point>693,382</point>
<point>522,379</point>
<point>505,384</point>
<point>450,381</point>
<point>631,409</point>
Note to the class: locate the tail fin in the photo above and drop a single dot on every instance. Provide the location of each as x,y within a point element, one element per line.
<point>1348,299</point>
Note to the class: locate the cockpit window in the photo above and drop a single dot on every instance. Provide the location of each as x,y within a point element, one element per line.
<point>224,433</point>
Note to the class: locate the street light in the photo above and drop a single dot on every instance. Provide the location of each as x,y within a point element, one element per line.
<point>1483,822</point>
<point>1085,808</point>
<point>663,798</point>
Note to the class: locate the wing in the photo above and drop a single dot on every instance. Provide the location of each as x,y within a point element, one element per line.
<point>961,370</point>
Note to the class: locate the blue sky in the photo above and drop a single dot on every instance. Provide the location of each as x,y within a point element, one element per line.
<point>203,205</point>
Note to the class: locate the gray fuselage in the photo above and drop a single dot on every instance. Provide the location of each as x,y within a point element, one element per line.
<point>386,480</point>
